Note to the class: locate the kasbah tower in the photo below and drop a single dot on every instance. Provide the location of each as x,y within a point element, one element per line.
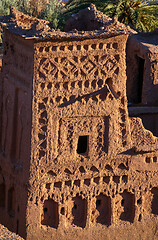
<point>75,161</point>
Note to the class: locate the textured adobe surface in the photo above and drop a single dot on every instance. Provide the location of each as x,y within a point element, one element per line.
<point>142,75</point>
<point>5,234</point>
<point>142,52</point>
<point>83,167</point>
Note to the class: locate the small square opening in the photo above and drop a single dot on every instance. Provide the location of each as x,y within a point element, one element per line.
<point>82,146</point>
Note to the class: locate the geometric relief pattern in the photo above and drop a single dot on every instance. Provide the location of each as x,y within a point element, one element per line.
<point>59,93</point>
<point>72,195</point>
<point>74,66</point>
<point>74,127</point>
<point>42,132</point>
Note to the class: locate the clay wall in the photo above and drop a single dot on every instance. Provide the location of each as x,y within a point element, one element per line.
<point>142,58</point>
<point>79,100</point>
<point>75,83</point>
<point>148,115</point>
<point>73,164</point>
<point>16,85</point>
<point>87,179</point>
<point>112,201</point>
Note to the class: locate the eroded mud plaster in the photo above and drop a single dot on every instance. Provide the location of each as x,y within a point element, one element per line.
<point>73,164</point>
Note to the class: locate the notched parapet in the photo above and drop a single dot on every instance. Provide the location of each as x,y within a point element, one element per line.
<point>34,28</point>
<point>142,139</point>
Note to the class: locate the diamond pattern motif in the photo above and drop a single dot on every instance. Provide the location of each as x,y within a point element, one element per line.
<point>72,67</point>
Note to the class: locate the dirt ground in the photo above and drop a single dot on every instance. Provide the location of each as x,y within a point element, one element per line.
<point>5,234</point>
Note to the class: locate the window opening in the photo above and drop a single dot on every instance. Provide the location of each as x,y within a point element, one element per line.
<point>128,204</point>
<point>82,146</point>
<point>103,206</point>
<point>141,63</point>
<point>50,216</point>
<point>79,211</point>
<point>154,205</point>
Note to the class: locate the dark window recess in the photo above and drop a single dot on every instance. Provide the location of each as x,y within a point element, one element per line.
<point>103,205</point>
<point>154,205</point>
<point>17,227</point>
<point>11,202</point>
<point>141,63</point>
<point>50,215</point>
<point>79,211</point>
<point>2,195</point>
<point>82,146</point>
<point>128,204</point>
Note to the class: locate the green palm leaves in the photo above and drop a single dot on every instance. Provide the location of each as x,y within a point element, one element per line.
<point>47,9</point>
<point>142,15</point>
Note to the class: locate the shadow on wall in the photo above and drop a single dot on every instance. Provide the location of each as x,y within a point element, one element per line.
<point>2,192</point>
<point>154,207</point>
<point>79,212</point>
<point>103,205</point>
<point>128,203</point>
<point>50,215</point>
<point>142,79</point>
<point>11,202</point>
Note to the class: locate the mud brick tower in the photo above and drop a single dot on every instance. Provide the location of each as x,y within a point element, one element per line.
<point>142,75</point>
<point>73,164</point>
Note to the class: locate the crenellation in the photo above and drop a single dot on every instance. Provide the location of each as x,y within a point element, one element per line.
<point>72,65</point>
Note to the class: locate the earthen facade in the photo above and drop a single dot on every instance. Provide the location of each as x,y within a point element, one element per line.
<point>73,164</point>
